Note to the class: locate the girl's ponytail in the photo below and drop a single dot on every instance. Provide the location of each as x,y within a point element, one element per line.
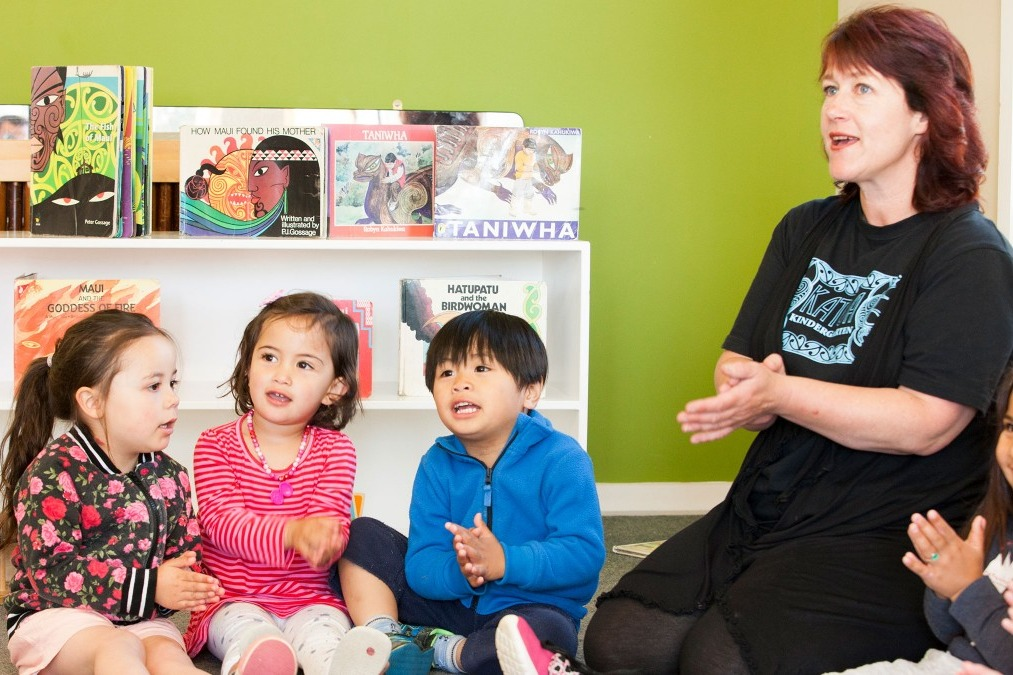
<point>29,431</point>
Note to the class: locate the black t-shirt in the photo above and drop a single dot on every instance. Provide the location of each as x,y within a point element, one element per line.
<point>955,338</point>
<point>959,325</point>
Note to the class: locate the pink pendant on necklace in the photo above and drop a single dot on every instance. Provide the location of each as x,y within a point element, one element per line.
<point>284,488</point>
<point>279,493</point>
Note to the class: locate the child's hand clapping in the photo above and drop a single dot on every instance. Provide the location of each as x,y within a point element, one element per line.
<point>179,587</point>
<point>318,539</point>
<point>479,552</point>
<point>945,562</point>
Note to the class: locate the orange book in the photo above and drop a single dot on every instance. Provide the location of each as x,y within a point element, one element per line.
<point>45,308</point>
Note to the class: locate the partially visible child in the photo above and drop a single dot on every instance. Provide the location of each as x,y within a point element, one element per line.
<point>105,538</point>
<point>965,578</point>
<point>504,512</point>
<point>274,495</point>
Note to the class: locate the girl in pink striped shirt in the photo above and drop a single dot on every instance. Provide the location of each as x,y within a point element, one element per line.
<point>274,494</point>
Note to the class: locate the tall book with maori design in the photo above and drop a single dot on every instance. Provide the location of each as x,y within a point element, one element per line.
<point>76,150</point>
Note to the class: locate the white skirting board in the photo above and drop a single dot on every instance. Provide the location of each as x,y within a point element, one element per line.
<point>644,499</point>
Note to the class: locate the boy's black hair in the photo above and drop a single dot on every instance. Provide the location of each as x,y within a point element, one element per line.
<point>507,338</point>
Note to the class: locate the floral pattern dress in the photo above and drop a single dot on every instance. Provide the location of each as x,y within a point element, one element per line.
<point>92,536</point>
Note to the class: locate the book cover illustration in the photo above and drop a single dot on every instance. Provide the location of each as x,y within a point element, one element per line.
<point>45,308</point>
<point>76,136</point>
<point>256,181</point>
<point>427,304</point>
<point>381,180</point>
<point>507,182</point>
<point>361,312</point>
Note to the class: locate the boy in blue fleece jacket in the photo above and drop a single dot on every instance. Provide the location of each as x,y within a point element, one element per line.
<point>504,513</point>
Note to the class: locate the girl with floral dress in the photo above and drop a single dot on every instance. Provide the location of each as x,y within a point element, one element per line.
<point>105,540</point>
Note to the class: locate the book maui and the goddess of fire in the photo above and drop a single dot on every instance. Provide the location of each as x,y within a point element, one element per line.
<point>45,308</point>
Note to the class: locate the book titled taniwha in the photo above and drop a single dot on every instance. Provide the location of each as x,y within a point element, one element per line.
<point>507,182</point>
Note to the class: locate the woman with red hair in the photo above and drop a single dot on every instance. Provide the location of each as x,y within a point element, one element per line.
<point>866,354</point>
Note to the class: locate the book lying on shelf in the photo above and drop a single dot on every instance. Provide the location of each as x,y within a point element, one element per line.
<point>252,181</point>
<point>45,308</point>
<point>427,304</point>
<point>507,182</point>
<point>381,180</point>
<point>638,550</point>
<point>361,312</point>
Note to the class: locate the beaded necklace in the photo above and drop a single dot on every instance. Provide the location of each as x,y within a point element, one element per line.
<point>284,488</point>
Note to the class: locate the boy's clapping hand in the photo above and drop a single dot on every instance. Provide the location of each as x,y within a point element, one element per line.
<point>479,552</point>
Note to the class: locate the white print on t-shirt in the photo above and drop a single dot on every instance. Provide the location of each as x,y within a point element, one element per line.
<point>1000,572</point>
<point>832,314</point>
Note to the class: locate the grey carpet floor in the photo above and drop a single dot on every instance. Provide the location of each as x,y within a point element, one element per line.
<point>618,530</point>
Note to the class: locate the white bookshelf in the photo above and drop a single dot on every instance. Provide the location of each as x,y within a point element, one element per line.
<point>212,287</point>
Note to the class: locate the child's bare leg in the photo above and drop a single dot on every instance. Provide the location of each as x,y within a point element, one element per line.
<point>365,595</point>
<point>164,656</point>
<point>100,649</point>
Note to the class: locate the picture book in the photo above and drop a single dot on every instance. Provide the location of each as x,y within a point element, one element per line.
<point>45,308</point>
<point>76,146</point>
<point>252,181</point>
<point>128,149</point>
<point>143,188</point>
<point>639,550</point>
<point>507,182</point>
<point>140,157</point>
<point>381,180</point>
<point>427,304</point>
<point>361,312</point>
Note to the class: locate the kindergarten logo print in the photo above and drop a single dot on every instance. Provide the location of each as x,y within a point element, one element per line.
<point>832,314</point>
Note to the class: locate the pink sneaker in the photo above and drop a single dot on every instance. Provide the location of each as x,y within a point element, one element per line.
<point>269,655</point>
<point>520,652</point>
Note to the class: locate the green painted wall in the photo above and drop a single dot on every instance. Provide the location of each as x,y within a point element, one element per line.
<point>700,129</point>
